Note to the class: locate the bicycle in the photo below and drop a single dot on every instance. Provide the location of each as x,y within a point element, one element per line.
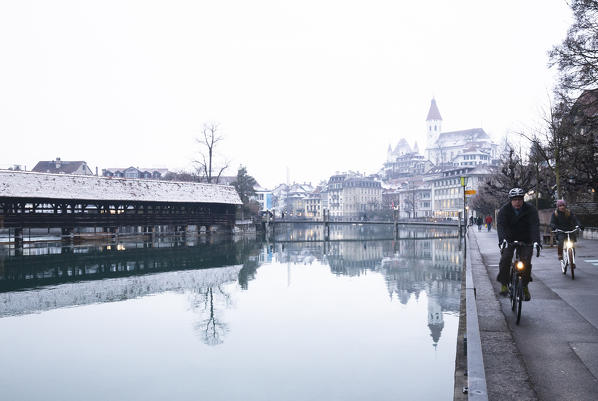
<point>518,269</point>
<point>568,252</point>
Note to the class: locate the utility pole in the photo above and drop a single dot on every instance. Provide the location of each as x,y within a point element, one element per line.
<point>464,184</point>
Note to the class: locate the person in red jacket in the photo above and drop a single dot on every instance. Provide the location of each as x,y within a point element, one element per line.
<point>489,222</point>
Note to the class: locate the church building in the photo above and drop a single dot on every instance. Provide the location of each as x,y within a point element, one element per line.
<point>469,147</point>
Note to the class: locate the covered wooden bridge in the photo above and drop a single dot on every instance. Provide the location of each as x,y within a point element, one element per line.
<point>37,200</point>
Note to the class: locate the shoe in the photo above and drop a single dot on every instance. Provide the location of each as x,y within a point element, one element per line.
<point>526,294</point>
<point>504,290</point>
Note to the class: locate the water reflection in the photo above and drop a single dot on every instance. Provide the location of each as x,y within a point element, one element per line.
<point>409,267</point>
<point>230,315</point>
<point>208,302</point>
<point>52,263</point>
<point>359,232</point>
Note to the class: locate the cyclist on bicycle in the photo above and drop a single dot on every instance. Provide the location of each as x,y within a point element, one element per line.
<point>563,219</point>
<point>517,221</point>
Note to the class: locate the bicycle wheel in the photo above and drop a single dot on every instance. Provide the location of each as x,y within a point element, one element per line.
<point>519,299</point>
<point>570,261</point>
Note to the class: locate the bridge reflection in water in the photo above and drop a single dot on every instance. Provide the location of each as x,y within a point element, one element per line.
<point>233,290</point>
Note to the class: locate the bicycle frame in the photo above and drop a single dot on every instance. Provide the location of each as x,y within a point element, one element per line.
<point>518,268</point>
<point>568,251</point>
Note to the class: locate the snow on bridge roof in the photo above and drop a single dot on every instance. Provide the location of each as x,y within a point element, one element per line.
<point>19,184</point>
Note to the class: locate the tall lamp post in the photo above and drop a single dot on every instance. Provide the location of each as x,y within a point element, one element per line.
<point>464,184</point>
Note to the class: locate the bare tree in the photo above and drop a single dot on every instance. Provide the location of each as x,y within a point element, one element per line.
<point>577,61</point>
<point>211,329</point>
<point>440,154</point>
<point>494,192</point>
<point>577,56</point>
<point>548,143</point>
<point>206,166</point>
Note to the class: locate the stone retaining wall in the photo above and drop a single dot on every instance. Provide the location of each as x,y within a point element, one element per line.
<point>590,233</point>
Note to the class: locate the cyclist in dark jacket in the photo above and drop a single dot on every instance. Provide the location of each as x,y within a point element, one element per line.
<point>565,220</point>
<point>517,221</point>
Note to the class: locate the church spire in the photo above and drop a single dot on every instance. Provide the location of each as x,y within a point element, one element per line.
<point>434,128</point>
<point>433,113</point>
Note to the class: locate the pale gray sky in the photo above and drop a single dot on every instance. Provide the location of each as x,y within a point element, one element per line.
<point>312,86</point>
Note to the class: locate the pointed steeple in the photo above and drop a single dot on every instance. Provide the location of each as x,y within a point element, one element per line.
<point>433,113</point>
<point>433,129</point>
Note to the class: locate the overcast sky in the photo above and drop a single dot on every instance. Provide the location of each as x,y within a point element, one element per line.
<point>309,87</point>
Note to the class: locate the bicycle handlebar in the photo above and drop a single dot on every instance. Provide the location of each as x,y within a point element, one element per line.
<point>518,244</point>
<point>558,230</point>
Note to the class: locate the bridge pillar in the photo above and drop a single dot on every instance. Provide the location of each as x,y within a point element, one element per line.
<point>325,219</point>
<point>18,241</point>
<point>67,234</point>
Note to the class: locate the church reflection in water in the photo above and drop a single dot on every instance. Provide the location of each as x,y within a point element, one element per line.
<point>47,276</point>
<point>428,261</point>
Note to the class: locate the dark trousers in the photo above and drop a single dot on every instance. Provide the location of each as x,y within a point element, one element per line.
<point>504,266</point>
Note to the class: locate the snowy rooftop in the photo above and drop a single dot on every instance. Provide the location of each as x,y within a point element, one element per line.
<point>20,184</point>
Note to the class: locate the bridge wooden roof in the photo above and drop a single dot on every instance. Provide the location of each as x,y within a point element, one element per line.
<point>18,184</point>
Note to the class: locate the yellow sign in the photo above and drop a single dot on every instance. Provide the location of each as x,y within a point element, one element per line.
<point>470,192</point>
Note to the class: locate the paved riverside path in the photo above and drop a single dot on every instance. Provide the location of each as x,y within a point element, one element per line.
<point>553,353</point>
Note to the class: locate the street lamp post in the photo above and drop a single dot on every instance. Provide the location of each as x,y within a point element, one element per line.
<point>464,184</point>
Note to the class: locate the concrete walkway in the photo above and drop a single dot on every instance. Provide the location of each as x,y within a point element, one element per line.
<point>553,353</point>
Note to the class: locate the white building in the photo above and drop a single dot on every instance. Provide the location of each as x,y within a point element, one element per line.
<point>468,147</point>
<point>263,196</point>
<point>430,185</point>
<point>351,195</point>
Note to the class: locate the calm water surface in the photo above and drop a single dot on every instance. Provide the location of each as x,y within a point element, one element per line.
<point>208,319</point>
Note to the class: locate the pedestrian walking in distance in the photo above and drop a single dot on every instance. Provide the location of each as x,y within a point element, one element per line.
<point>489,222</point>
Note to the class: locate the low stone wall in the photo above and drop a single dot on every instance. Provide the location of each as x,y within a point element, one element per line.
<point>590,233</point>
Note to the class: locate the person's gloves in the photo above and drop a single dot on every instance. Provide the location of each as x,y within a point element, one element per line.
<point>538,246</point>
<point>580,228</point>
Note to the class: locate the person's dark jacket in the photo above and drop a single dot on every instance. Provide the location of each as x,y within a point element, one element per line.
<point>479,221</point>
<point>524,227</point>
<point>565,221</point>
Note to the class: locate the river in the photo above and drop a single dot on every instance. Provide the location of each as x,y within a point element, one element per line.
<point>359,317</point>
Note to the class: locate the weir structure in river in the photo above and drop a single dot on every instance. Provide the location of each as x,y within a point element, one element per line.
<point>270,223</point>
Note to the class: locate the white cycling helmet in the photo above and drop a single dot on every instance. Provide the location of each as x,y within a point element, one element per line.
<point>516,193</point>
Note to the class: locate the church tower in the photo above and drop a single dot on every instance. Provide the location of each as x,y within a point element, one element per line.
<point>433,127</point>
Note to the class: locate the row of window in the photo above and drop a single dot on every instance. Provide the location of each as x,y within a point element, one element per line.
<point>474,157</point>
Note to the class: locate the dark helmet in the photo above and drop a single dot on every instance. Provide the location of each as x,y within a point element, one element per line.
<point>516,193</point>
